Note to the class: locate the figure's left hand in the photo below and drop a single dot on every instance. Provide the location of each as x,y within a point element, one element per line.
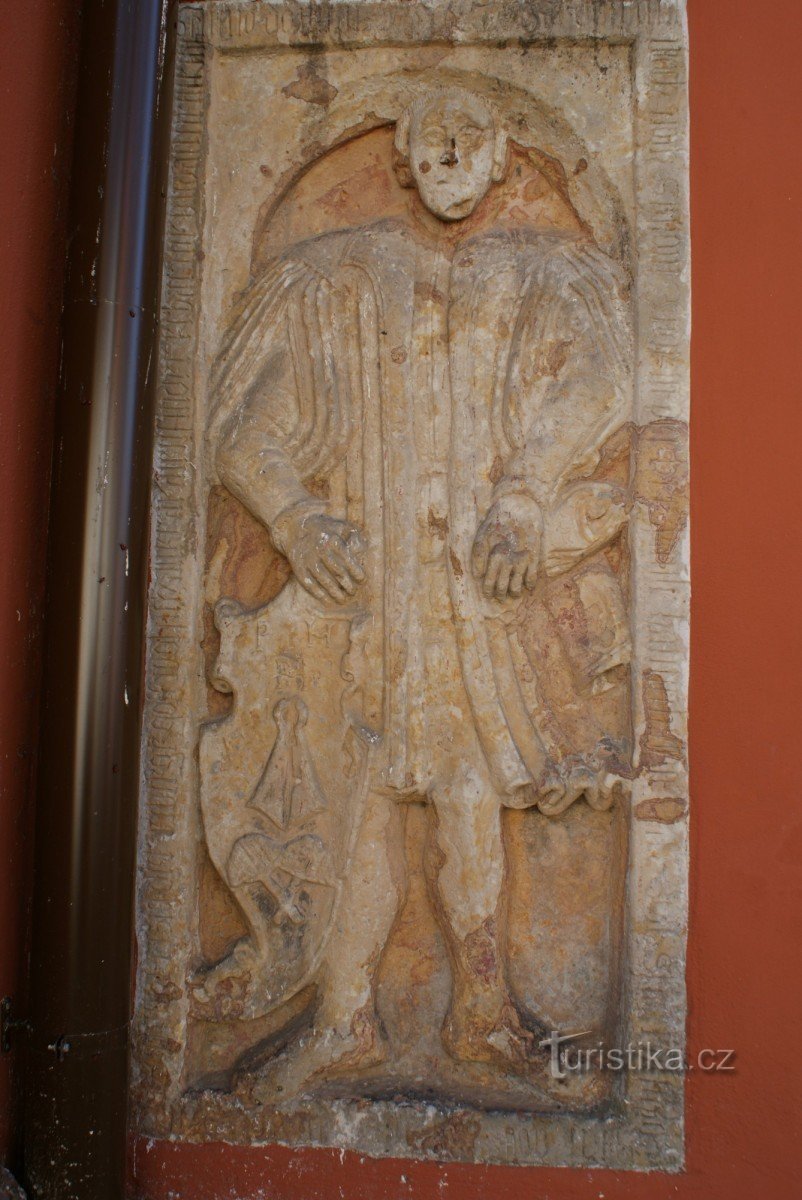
<point>506,549</point>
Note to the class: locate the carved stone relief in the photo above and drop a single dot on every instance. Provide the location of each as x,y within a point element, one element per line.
<point>414,797</point>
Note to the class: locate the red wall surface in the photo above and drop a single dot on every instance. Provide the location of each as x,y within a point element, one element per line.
<point>744,1129</point>
<point>36,50</point>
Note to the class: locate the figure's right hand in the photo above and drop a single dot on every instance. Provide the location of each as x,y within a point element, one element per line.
<point>324,553</point>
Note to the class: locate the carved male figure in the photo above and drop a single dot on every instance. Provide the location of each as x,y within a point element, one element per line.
<point>412,409</point>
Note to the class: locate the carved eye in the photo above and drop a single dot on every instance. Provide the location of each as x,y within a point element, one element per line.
<point>470,138</point>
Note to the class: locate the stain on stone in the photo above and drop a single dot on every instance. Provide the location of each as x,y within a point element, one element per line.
<point>309,86</point>
<point>661,481</point>
<point>665,809</point>
<point>438,526</point>
<point>535,188</point>
<point>555,357</point>
<point>497,470</point>
<point>657,742</point>
<point>456,565</point>
<point>480,951</point>
<point>320,487</point>
<point>351,200</point>
<point>428,292</point>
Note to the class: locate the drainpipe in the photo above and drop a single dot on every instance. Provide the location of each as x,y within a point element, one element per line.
<point>81,965</point>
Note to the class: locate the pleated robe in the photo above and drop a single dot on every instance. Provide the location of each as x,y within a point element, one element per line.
<point>406,383</point>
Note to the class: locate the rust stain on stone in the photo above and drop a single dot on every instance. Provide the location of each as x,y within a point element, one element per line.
<point>666,809</point>
<point>364,188</point>
<point>657,742</point>
<point>428,292</point>
<point>480,951</point>
<point>661,481</point>
<point>555,357</point>
<point>456,565</point>
<point>497,470</point>
<point>536,188</point>
<point>438,526</point>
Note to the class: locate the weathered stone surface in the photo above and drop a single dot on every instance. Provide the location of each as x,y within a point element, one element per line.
<point>415,788</point>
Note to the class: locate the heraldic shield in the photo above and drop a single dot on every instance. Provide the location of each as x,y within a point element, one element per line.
<point>279,831</point>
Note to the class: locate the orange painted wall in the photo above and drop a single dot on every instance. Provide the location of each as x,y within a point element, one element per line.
<point>36,52</point>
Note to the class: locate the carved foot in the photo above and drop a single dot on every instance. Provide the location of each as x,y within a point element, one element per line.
<point>325,1054</point>
<point>473,1034</point>
<point>365,1046</point>
<point>504,1042</point>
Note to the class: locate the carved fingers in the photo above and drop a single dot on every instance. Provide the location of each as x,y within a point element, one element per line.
<point>502,569</point>
<point>507,572</point>
<point>326,556</point>
<point>506,549</point>
<point>311,584</point>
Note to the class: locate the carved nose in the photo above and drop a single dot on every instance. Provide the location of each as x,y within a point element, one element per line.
<point>450,158</point>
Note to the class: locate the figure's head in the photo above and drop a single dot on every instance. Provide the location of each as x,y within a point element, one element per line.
<point>449,145</point>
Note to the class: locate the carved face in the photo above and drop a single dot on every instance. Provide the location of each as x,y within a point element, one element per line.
<point>452,152</point>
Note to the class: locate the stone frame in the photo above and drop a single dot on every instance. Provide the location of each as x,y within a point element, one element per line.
<point>646,1132</point>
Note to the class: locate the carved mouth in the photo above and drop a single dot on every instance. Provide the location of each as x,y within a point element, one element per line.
<point>456,205</point>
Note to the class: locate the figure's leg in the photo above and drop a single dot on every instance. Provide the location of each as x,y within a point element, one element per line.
<point>465,867</point>
<point>365,914</point>
<point>346,1034</point>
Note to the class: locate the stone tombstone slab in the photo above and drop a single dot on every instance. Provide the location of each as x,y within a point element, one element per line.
<point>414,799</point>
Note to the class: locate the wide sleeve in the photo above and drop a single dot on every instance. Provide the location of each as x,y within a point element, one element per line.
<point>569,382</point>
<point>277,418</point>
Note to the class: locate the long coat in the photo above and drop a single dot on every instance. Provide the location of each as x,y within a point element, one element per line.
<point>410,382</point>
